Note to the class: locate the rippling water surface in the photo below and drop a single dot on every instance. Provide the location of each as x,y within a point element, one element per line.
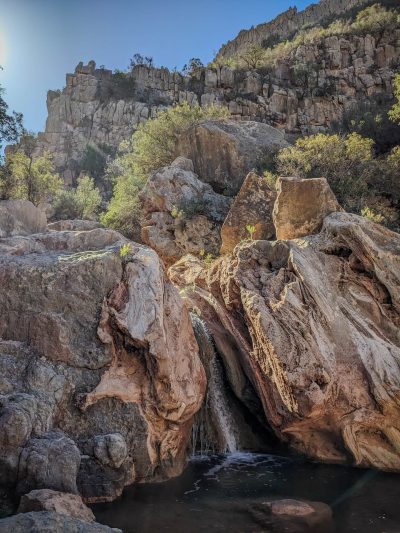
<point>218,493</point>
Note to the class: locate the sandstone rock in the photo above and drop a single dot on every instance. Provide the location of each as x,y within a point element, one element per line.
<point>223,152</point>
<point>81,326</point>
<point>50,461</point>
<point>74,225</point>
<point>58,502</point>
<point>316,324</point>
<point>181,213</point>
<point>293,516</point>
<point>183,163</point>
<point>301,206</point>
<point>48,521</point>
<point>252,206</point>
<point>20,217</point>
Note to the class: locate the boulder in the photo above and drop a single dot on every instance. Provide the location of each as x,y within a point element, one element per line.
<point>50,461</point>
<point>59,502</point>
<point>84,316</point>
<point>223,151</point>
<point>20,217</point>
<point>301,206</point>
<point>315,324</point>
<point>46,521</point>
<point>252,206</point>
<point>181,214</point>
<point>74,225</point>
<point>293,516</point>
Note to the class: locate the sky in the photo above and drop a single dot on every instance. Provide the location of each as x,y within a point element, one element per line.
<point>42,40</point>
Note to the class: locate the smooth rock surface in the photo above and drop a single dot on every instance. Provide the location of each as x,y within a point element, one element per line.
<point>51,522</point>
<point>223,151</point>
<point>301,206</point>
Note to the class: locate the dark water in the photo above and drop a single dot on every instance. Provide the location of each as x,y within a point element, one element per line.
<point>217,493</point>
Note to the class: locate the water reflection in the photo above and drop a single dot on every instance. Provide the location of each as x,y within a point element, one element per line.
<point>228,493</point>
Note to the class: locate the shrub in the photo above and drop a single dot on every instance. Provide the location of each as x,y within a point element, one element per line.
<point>192,67</point>
<point>83,202</point>
<point>271,179</point>
<point>372,215</point>
<point>394,113</point>
<point>125,250</point>
<point>341,160</point>
<point>375,18</point>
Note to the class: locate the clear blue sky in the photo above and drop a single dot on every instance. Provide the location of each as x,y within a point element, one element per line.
<point>42,40</point>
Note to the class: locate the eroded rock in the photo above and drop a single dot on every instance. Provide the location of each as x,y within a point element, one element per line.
<point>252,207</point>
<point>20,217</point>
<point>51,521</point>
<point>59,502</point>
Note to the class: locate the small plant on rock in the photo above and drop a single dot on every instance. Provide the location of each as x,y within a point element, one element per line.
<point>366,212</point>
<point>251,230</point>
<point>125,250</point>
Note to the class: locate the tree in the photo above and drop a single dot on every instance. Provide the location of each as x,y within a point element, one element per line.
<point>375,18</point>
<point>28,177</point>
<point>83,202</point>
<point>394,113</point>
<point>253,56</point>
<point>10,124</point>
<point>138,59</point>
<point>193,66</point>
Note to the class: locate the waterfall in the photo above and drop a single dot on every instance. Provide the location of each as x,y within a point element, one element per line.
<point>214,429</point>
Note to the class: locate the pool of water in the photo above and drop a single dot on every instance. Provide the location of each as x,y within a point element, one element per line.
<point>217,493</point>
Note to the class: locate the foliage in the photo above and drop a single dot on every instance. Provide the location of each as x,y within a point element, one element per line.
<point>271,179</point>
<point>95,158</point>
<point>341,160</point>
<point>83,202</point>
<point>253,56</point>
<point>153,144</point>
<point>251,230</point>
<point>10,124</point>
<point>123,85</point>
<point>189,209</point>
<point>208,258</point>
<point>139,60</point>
<point>27,177</point>
<point>375,18</point>
<point>394,113</point>
<point>370,119</point>
<point>192,67</point>
<point>372,215</point>
<point>125,250</point>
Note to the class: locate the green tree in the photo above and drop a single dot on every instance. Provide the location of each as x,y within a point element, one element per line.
<point>29,177</point>
<point>253,56</point>
<point>341,160</point>
<point>10,124</point>
<point>375,18</point>
<point>82,202</point>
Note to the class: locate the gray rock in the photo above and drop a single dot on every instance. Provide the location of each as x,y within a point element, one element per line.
<point>59,502</point>
<point>20,217</point>
<point>110,449</point>
<point>50,522</point>
<point>74,225</point>
<point>49,462</point>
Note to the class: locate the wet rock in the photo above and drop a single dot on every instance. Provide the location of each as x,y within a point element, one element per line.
<point>20,217</point>
<point>59,502</point>
<point>301,206</point>
<point>223,152</point>
<point>50,521</point>
<point>252,207</point>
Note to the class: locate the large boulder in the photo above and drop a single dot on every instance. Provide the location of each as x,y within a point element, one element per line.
<point>223,151</point>
<point>50,521</point>
<point>301,206</point>
<point>181,214</point>
<point>315,323</point>
<point>59,502</point>
<point>20,217</point>
<point>252,207</point>
<point>84,316</point>
<point>74,225</point>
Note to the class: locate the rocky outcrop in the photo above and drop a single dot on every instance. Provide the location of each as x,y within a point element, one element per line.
<point>99,369</point>
<point>20,217</point>
<point>74,225</point>
<point>181,214</point>
<point>301,206</point>
<point>59,502</point>
<point>289,22</point>
<point>315,324</point>
<point>303,92</point>
<point>223,152</point>
<point>252,207</point>
<point>51,521</point>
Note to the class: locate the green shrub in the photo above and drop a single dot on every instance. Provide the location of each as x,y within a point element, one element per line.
<point>82,202</point>
<point>375,18</point>
<point>372,215</point>
<point>394,113</point>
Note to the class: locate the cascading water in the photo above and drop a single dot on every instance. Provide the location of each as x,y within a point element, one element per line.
<point>215,428</point>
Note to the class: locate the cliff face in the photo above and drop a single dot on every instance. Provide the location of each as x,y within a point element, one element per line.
<point>303,93</point>
<point>289,22</point>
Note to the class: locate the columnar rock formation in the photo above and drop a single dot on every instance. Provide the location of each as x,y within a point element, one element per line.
<point>100,374</point>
